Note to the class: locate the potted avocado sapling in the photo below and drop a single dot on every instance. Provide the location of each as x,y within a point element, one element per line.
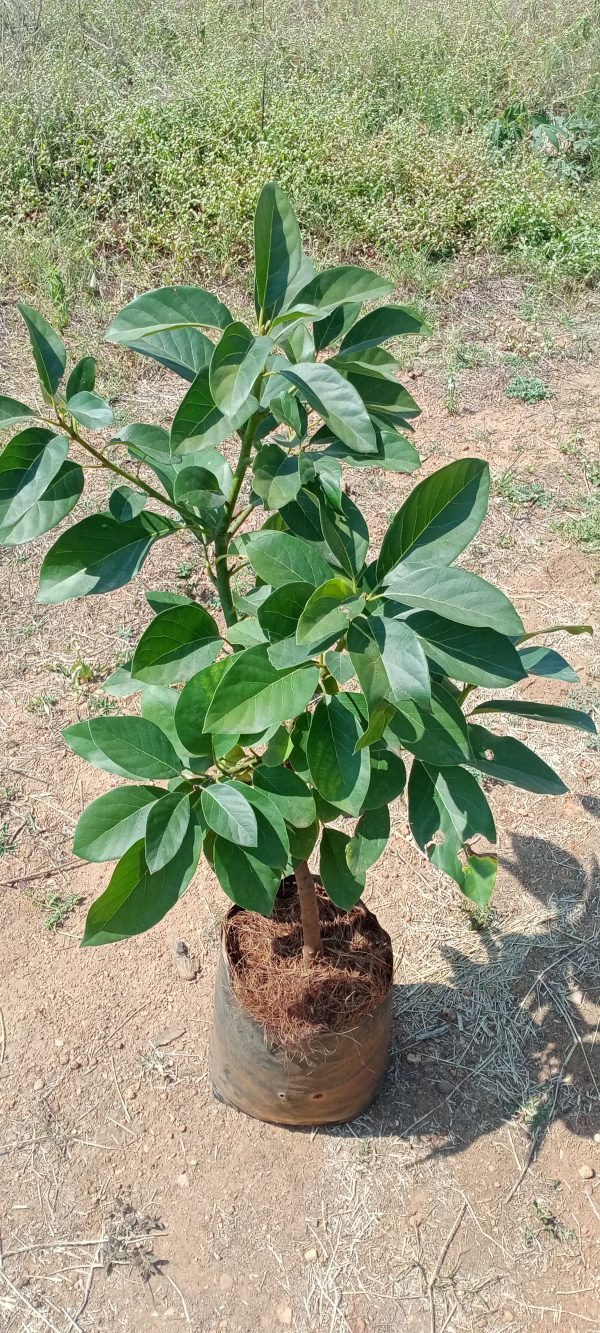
<point>277,736</point>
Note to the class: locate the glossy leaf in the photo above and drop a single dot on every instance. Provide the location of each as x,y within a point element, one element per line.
<point>289,411</point>
<point>159,705</point>
<point>246,633</point>
<point>280,612</point>
<point>113,822</point>
<point>346,534</point>
<point>337,401</point>
<point>438,735</point>
<point>388,321</point>
<point>546,662</point>
<point>90,411</point>
<point>130,747</point>
<point>369,840</point>
<point>507,760</point>
<point>125,503</point>
<point>168,308</point>
<point>82,378</point>
<point>467,653</point>
<point>277,477</point>
<point>387,401</point>
<point>27,466</point>
<point>236,362</point>
<point>179,642</point>
<point>394,453</point>
<point>389,661</point>
<point>48,348</point>
<point>387,780</point>
<point>193,705</point>
<point>167,825</point>
<point>95,556</point>
<point>253,695</point>
<point>566,717</point>
<point>290,794</point>
<point>13,413</point>
<point>244,879</point>
<point>227,810</point>
<point>455,594</point>
<point>198,421</point>
<point>277,249</point>
<point>327,330</point>
<point>59,498</point>
<point>159,600</point>
<point>340,665</point>
<point>135,898</point>
<point>439,519</point>
<point>343,885</point>
<point>338,772</point>
<point>338,286</point>
<point>184,351</point>
<point>272,843</point>
<point>279,558</point>
<point>329,610</point>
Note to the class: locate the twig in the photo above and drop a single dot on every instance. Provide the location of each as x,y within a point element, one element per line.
<point>436,1272</point>
<point>119,1093</point>
<point>40,874</point>
<point>181,1297</point>
<point>2,1037</point>
<point>112,1034</point>
<point>449,1317</point>
<point>79,1244</point>
<point>39,1314</point>
<point>88,1285</point>
<point>524,1169</point>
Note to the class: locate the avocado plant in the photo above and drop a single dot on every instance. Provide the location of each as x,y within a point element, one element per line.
<point>258,734</point>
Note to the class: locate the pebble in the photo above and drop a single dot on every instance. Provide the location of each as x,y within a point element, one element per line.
<point>226,1282</point>
<point>359,1326</point>
<point>596,1138</point>
<point>413,1059</point>
<point>130,1093</point>
<point>311,1256</point>
<point>444,1085</point>
<point>63,1059</point>
<point>182,1180</point>
<point>587,1172</point>
<point>284,1315</point>
<point>38,1085</point>
<point>58,1042</point>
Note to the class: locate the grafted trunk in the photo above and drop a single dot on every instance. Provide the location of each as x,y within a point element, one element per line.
<point>309,912</point>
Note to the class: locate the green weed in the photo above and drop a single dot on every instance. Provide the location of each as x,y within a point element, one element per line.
<point>528,389</point>
<point>516,492</point>
<point>57,908</point>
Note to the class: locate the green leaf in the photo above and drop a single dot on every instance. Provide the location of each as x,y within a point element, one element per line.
<point>184,351</point>
<point>27,466</point>
<point>302,842</point>
<point>387,781</point>
<point>168,308</point>
<point>228,811</point>
<point>338,772</point>
<point>136,899</point>
<point>338,286</point>
<point>327,330</point>
<point>281,610</point>
<point>272,843</point>
<point>236,362</point>
<point>555,629</point>
<point>59,498</point>
<point>288,653</point>
<point>439,519</point>
<point>456,595</point>
<point>97,555</point>
<point>159,705</point>
<point>130,747</point>
<point>119,684</point>
<point>289,411</point>
<point>340,666</point>
<point>346,534</point>
<point>179,642</point>
<point>507,760</point>
<point>438,735</point>
<point>337,401</point>
<point>386,400</point>
<point>479,878</point>
<point>198,420</point>
<point>343,885</point>
<point>159,600</point>
<point>279,558</point>
<point>90,411</point>
<point>388,321</point>
<point>293,798</point>
<point>12,413</point>
<point>539,661</point>
<point>328,611</point>
<point>48,348</point>
<point>253,695</point>
<point>394,453</point>
<point>445,809</point>
<point>566,717</point>
<point>278,749</point>
<point>193,705</point>
<point>466,653</point>
<point>125,503</point>
<point>247,633</point>
<point>82,378</point>
<point>244,879</point>
<point>168,823</point>
<point>277,249</point>
<point>329,477</point>
<point>113,822</point>
<point>369,841</point>
<point>381,714</point>
<point>276,476</point>
<point>389,661</point>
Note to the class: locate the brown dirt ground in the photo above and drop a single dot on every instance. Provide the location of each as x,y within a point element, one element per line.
<point>129,1199</point>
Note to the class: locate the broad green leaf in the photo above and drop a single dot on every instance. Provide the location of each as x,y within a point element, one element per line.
<point>338,286</point>
<point>184,351</point>
<point>479,878</point>
<point>303,519</point>
<point>168,308</point>
<point>48,348</point>
<point>385,398</point>
<point>439,519</point>
<point>167,825</point>
<point>59,498</point>
<point>82,378</point>
<point>229,813</point>
<point>566,717</point>
<point>369,840</point>
<point>278,749</point>
<point>253,695</point>
<point>281,610</point>
<point>279,558</point>
<point>95,556</point>
<point>329,610</point>
<point>337,401</point>
<point>27,466</point>
<point>539,661</point>
<point>119,684</point>
<point>507,760</point>
<point>272,842</point>
<point>381,714</point>
<point>338,772</point>
<point>277,249</point>
<point>236,362</point>
<point>456,595</point>
<point>466,653</point>
<point>244,879</point>
<point>113,822</point>
<point>394,453</point>
<point>438,735</point>
<point>388,321</point>
<point>346,534</point>
<point>387,781</point>
<point>159,705</point>
<point>130,747</point>
<point>198,489</point>
<point>125,503</point>
<point>146,441</point>
<point>327,330</point>
<point>160,600</point>
<point>288,653</point>
<point>299,736</point>
<point>444,800</point>
<point>290,794</point>
<point>299,344</point>
<point>329,476</point>
<point>302,842</point>
<point>343,885</point>
<point>13,413</point>
<point>136,899</point>
<point>389,661</point>
<point>246,633</point>
<point>193,706</point>
<point>90,410</point>
<point>289,411</point>
<point>198,420</point>
<point>277,475</point>
<point>340,666</point>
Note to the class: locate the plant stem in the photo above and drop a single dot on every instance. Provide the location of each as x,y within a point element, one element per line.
<point>227,529</point>
<point>309,912</point>
<point>119,471</point>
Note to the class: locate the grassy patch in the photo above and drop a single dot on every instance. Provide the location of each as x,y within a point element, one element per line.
<point>528,389</point>
<point>517,492</point>
<point>57,907</point>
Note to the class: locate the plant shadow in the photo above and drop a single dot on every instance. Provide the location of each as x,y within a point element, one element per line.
<point>510,1037</point>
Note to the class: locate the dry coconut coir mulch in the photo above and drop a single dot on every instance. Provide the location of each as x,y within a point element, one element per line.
<point>294,998</point>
